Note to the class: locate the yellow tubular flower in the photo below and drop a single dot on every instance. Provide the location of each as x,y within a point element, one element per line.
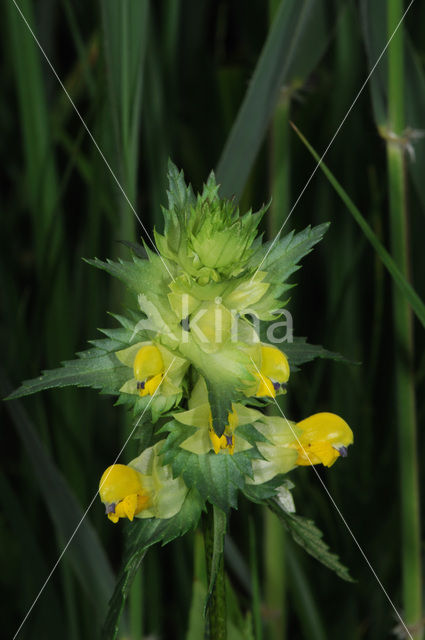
<point>148,369</point>
<point>324,438</point>
<point>121,491</point>
<point>274,372</point>
<point>227,440</point>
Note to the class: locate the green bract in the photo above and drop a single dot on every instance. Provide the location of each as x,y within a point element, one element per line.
<point>206,236</point>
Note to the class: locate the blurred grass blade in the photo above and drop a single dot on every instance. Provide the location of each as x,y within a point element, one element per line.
<point>308,613</point>
<point>21,527</point>
<point>414,300</point>
<point>125,38</point>
<point>85,551</point>
<point>40,190</point>
<point>293,47</point>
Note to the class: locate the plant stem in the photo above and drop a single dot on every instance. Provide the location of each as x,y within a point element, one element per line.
<point>274,535</point>
<point>255,582</point>
<point>403,335</point>
<point>275,575</point>
<point>217,603</point>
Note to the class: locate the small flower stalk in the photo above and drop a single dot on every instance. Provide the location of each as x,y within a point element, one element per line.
<point>201,359</point>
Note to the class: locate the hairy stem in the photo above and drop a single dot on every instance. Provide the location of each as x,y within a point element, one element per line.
<point>403,335</point>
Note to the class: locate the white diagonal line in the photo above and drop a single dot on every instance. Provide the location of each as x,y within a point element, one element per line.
<point>337,508</point>
<point>89,507</point>
<point>333,138</point>
<point>102,155</point>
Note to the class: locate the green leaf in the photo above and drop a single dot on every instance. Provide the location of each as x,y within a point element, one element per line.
<point>139,275</point>
<point>142,534</point>
<point>405,287</point>
<point>218,477</point>
<point>259,493</point>
<point>220,397</point>
<point>308,536</point>
<point>93,369</point>
<point>300,351</point>
<point>180,195</point>
<point>98,368</point>
<point>281,257</point>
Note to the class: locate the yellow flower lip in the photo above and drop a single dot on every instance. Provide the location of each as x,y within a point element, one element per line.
<point>122,492</point>
<point>227,440</point>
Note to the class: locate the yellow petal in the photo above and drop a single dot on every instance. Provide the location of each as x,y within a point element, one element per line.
<point>274,364</point>
<point>151,385</point>
<point>129,505</point>
<point>118,481</point>
<point>113,517</point>
<point>326,427</point>
<point>265,387</point>
<point>322,435</point>
<point>216,441</point>
<point>226,441</point>
<point>148,362</point>
<point>317,453</point>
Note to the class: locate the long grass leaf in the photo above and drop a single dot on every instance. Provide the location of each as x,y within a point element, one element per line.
<point>405,287</point>
<point>280,63</point>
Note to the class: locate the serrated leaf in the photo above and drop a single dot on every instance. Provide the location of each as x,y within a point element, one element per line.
<point>136,248</point>
<point>220,397</point>
<point>142,534</point>
<point>93,369</point>
<point>218,477</point>
<point>180,195</point>
<point>98,368</point>
<point>307,535</point>
<point>300,351</point>
<point>260,493</point>
<point>281,257</point>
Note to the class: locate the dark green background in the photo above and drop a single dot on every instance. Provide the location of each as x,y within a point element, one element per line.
<point>154,80</point>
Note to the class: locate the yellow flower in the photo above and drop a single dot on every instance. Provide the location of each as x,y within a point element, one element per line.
<point>227,440</point>
<point>148,363</point>
<point>148,369</point>
<point>122,492</point>
<point>274,372</point>
<point>145,488</point>
<point>324,438</point>
<point>204,439</point>
<point>319,439</point>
